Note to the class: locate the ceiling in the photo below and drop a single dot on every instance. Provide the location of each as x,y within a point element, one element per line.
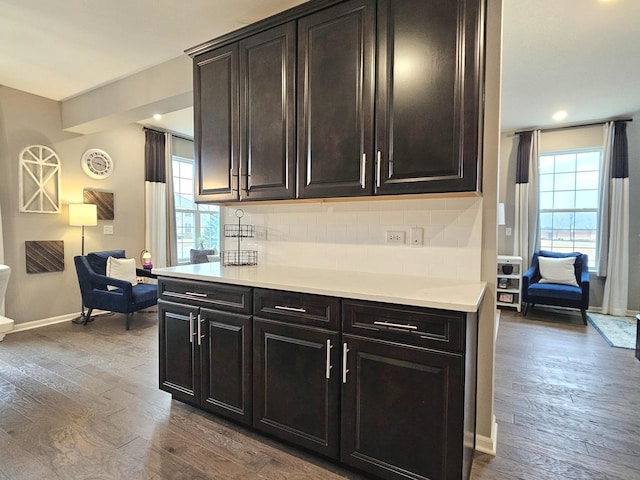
<point>577,55</point>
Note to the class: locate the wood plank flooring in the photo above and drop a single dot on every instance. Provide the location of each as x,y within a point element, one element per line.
<point>83,403</point>
<point>567,404</point>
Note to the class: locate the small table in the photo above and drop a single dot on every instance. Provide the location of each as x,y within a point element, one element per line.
<point>638,337</point>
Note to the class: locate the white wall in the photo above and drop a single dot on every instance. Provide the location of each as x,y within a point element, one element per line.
<point>27,119</point>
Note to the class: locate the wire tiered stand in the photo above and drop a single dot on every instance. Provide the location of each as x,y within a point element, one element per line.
<point>239,231</point>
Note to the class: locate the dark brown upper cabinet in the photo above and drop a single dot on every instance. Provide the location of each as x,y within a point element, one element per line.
<point>342,99</point>
<point>428,105</point>
<point>267,114</point>
<point>336,49</point>
<point>216,124</point>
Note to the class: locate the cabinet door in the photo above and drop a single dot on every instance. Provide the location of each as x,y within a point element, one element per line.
<point>216,124</point>
<point>179,367</point>
<point>402,410</point>
<point>428,96</point>
<point>296,384</point>
<point>335,100</point>
<point>267,114</point>
<point>226,355</point>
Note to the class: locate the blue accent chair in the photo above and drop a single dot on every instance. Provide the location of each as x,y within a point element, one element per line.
<point>127,298</point>
<point>556,294</point>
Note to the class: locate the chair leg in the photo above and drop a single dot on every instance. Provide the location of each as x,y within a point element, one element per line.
<point>584,315</point>
<point>127,324</point>
<point>87,317</point>
<point>525,309</point>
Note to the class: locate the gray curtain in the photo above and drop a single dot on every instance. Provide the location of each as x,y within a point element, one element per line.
<point>525,228</point>
<point>616,287</point>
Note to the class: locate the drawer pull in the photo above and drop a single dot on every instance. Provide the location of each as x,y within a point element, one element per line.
<point>378,181</point>
<point>396,325</point>
<point>345,350</point>
<point>190,327</point>
<point>329,347</point>
<point>362,172</point>
<point>290,309</point>
<point>196,294</point>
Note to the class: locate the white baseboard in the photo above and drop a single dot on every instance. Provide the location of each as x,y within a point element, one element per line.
<point>630,313</point>
<point>21,327</point>
<point>488,444</point>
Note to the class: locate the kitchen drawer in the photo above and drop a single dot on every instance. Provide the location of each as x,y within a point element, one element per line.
<point>441,329</point>
<point>301,308</point>
<point>217,296</point>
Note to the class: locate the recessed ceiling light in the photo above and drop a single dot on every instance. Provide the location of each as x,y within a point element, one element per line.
<point>561,115</point>
<point>157,116</point>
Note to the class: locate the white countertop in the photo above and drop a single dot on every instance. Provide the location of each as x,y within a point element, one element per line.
<point>464,296</point>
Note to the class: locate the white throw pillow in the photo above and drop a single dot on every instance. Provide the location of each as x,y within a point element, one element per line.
<point>558,270</point>
<point>122,269</point>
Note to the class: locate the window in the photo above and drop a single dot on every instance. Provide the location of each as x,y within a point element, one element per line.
<point>197,226</point>
<point>569,186</point>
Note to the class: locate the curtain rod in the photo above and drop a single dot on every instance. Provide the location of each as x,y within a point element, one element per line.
<point>164,130</point>
<point>580,125</point>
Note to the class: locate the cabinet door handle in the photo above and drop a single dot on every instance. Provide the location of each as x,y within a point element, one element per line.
<point>378,168</point>
<point>362,172</point>
<point>290,309</point>
<point>196,294</point>
<point>396,325</point>
<point>200,336</point>
<point>328,367</point>
<point>190,327</point>
<point>234,180</point>
<point>345,350</point>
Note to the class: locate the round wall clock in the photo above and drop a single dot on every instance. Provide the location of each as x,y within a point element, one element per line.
<point>97,163</point>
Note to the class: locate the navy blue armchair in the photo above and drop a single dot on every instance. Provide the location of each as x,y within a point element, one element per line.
<point>561,295</point>
<point>126,298</point>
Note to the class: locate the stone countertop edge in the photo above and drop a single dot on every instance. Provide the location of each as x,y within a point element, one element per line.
<point>445,294</point>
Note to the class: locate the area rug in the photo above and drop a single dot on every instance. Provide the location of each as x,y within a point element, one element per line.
<point>617,331</point>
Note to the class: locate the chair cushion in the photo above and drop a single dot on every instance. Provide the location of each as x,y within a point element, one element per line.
<point>558,270</point>
<point>144,293</point>
<point>98,260</point>
<point>555,290</point>
<point>122,269</point>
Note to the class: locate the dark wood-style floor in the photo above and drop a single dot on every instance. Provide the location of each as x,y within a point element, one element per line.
<point>82,403</point>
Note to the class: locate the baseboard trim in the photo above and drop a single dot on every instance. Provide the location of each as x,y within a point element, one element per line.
<point>488,444</point>
<point>21,327</point>
<point>630,313</point>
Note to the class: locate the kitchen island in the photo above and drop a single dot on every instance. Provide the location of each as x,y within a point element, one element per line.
<point>375,371</point>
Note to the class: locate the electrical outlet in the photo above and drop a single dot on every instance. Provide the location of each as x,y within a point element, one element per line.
<point>416,237</point>
<point>507,231</point>
<point>394,237</point>
<point>107,229</point>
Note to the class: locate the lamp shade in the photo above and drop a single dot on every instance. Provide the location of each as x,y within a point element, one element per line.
<point>83,214</point>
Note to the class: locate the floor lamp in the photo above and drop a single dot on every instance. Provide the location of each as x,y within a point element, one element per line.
<point>82,215</point>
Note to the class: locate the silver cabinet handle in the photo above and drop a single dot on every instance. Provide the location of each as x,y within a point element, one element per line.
<point>396,325</point>
<point>196,294</point>
<point>378,168</point>
<point>200,336</point>
<point>190,327</point>
<point>345,350</point>
<point>362,173</point>
<point>290,309</point>
<point>234,180</point>
<point>328,367</point>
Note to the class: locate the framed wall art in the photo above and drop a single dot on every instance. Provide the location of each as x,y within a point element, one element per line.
<point>103,202</point>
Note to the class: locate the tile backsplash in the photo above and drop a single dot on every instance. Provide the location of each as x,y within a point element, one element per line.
<point>351,235</point>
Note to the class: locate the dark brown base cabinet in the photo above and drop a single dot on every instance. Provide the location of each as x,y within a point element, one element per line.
<point>387,389</point>
<point>205,354</point>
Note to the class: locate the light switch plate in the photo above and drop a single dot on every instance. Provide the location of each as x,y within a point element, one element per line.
<point>107,229</point>
<point>416,237</point>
